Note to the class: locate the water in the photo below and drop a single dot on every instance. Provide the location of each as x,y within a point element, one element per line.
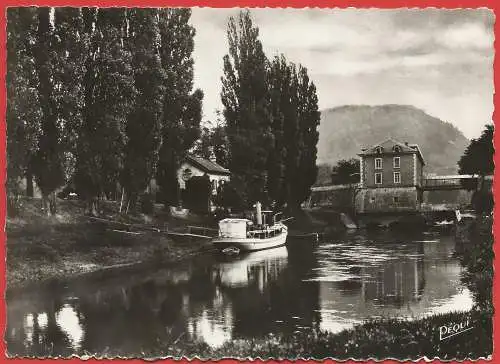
<point>213,299</point>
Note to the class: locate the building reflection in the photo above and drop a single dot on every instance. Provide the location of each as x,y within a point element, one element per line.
<point>421,279</point>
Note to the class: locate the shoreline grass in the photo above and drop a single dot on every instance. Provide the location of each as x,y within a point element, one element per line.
<point>41,248</point>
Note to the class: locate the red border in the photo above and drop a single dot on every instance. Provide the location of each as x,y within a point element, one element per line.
<point>451,4</point>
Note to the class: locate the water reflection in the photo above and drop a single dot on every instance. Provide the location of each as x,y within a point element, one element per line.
<point>215,299</point>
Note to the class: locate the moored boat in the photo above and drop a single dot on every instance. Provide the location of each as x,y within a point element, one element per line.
<point>244,234</point>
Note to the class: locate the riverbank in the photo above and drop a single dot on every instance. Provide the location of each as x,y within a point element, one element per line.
<point>380,338</point>
<point>69,244</point>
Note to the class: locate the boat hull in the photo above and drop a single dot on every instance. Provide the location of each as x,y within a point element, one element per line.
<point>251,244</point>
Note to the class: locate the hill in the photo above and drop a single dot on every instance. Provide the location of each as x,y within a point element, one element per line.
<point>345,130</point>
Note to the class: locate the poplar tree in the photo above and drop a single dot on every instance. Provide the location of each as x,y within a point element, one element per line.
<point>182,108</point>
<point>279,93</point>
<point>308,122</point>
<point>294,108</point>
<point>143,126</point>
<point>70,48</point>
<point>48,167</point>
<point>23,112</point>
<point>246,108</point>
<point>109,95</point>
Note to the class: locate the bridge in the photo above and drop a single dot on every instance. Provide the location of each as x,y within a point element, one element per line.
<point>439,192</point>
<point>451,182</point>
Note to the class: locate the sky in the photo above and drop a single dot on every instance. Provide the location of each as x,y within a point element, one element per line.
<point>440,61</point>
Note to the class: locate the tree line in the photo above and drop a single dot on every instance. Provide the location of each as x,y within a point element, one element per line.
<point>99,98</point>
<point>103,100</point>
<point>271,112</point>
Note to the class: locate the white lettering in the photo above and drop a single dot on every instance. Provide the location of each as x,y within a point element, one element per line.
<point>452,329</point>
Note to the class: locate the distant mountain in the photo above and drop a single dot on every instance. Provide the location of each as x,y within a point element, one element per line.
<point>345,130</point>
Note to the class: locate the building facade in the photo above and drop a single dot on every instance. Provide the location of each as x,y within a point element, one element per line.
<point>391,178</point>
<point>196,166</point>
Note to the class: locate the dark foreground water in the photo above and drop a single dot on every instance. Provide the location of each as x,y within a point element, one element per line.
<point>331,286</point>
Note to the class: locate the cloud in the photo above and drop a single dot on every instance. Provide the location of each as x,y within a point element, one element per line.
<point>466,36</point>
<point>370,55</point>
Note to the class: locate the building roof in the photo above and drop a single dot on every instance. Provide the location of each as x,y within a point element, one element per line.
<point>387,146</point>
<point>207,165</point>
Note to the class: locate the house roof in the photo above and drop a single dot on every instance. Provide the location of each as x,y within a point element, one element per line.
<point>390,143</point>
<point>207,165</point>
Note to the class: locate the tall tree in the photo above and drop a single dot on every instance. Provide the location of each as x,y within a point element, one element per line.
<point>309,118</point>
<point>48,161</point>
<point>280,78</point>
<point>294,108</point>
<point>23,108</point>
<point>182,108</point>
<point>143,126</point>
<point>109,95</point>
<point>246,107</point>
<point>70,48</point>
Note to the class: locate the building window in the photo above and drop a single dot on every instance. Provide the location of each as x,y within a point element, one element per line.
<point>379,150</point>
<point>397,149</point>
<point>397,177</point>
<point>378,178</point>
<point>378,163</point>
<point>397,162</point>
<point>395,199</point>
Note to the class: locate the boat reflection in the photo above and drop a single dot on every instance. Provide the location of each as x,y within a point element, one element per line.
<point>252,268</point>
<point>215,299</point>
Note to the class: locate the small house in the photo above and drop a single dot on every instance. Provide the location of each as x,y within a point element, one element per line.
<point>193,166</point>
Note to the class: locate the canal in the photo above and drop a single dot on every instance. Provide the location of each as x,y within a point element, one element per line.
<point>213,299</point>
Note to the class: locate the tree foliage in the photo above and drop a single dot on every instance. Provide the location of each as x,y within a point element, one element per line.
<point>48,169</point>
<point>182,108</point>
<point>271,113</point>
<point>246,107</point>
<point>478,159</point>
<point>101,98</point>
<point>68,49</point>
<point>109,94</point>
<point>23,114</point>
<point>478,156</point>
<point>346,171</point>
<point>143,124</point>
<point>213,143</point>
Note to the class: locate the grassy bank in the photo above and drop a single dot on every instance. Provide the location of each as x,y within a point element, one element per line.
<point>41,247</point>
<point>383,338</point>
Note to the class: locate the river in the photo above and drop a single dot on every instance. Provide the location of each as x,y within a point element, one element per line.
<point>332,285</point>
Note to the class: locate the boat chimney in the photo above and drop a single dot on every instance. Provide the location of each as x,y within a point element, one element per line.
<point>258,213</point>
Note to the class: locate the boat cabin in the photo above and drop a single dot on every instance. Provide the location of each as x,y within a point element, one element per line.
<point>244,228</point>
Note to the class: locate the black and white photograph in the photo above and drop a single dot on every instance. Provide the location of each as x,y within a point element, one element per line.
<point>248,183</point>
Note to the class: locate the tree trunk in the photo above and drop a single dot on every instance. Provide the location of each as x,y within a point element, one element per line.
<point>92,207</point>
<point>46,204</point>
<point>52,203</point>
<point>29,182</point>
